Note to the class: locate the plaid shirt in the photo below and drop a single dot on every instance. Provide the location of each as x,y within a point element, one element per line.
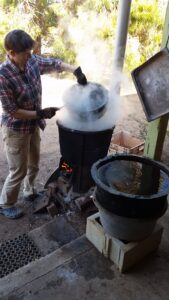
<point>23,90</point>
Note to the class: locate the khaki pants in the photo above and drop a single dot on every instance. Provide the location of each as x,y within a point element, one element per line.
<point>23,153</point>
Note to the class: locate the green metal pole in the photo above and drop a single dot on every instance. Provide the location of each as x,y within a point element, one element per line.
<point>157,129</point>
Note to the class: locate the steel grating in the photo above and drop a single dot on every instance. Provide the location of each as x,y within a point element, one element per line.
<point>17,253</point>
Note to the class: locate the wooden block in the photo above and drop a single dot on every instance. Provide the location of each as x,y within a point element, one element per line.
<point>95,232</point>
<point>52,210</point>
<point>124,255</point>
<point>41,202</point>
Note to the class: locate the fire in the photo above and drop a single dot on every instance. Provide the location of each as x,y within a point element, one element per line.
<point>66,167</point>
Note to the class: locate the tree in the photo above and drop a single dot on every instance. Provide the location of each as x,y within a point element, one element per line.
<point>146,23</point>
<point>39,18</point>
<point>61,28</point>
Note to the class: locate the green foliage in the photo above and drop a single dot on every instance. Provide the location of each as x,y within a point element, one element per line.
<point>72,6</point>
<point>63,51</point>
<point>64,28</point>
<point>5,4</point>
<point>4,28</point>
<point>146,24</point>
<point>100,6</point>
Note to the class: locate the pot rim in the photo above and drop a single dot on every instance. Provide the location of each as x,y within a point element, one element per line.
<point>83,132</point>
<point>131,157</point>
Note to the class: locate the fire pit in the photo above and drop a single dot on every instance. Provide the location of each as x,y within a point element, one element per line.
<point>131,194</point>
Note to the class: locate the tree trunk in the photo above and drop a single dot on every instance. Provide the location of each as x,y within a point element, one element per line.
<point>38,44</point>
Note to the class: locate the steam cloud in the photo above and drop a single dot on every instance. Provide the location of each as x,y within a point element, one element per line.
<point>77,101</point>
<point>96,60</point>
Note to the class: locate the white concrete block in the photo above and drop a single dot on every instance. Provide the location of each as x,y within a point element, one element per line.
<point>124,255</point>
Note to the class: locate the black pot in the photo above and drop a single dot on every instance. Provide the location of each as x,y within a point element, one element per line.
<point>83,147</point>
<point>149,202</point>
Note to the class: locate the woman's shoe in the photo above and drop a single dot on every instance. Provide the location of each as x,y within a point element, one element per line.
<point>11,212</point>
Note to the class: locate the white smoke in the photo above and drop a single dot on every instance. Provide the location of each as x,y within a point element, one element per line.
<point>96,59</point>
<point>83,99</point>
<point>93,52</point>
<point>77,101</point>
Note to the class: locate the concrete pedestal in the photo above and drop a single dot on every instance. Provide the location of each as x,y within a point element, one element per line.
<point>123,254</point>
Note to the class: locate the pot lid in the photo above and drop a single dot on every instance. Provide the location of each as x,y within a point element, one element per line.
<point>151,80</point>
<point>89,98</point>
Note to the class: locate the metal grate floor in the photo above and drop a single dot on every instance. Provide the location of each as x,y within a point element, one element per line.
<point>17,253</point>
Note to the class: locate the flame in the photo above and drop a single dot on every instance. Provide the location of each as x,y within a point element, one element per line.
<point>66,167</point>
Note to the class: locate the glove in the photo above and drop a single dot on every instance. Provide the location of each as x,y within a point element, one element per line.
<point>46,113</point>
<point>81,78</point>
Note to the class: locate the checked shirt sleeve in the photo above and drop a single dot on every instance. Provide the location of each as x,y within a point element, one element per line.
<point>6,96</point>
<point>47,65</point>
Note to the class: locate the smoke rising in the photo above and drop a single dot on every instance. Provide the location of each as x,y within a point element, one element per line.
<point>77,101</point>
<point>93,52</point>
<point>96,59</point>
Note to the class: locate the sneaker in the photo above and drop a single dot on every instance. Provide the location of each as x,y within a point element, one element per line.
<point>11,212</point>
<point>32,197</point>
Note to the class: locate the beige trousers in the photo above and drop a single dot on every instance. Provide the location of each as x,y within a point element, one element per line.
<point>23,153</point>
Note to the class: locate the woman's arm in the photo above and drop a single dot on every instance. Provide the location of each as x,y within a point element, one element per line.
<point>24,114</point>
<point>45,113</point>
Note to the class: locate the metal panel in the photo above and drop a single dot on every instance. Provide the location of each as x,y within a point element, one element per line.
<point>152,83</point>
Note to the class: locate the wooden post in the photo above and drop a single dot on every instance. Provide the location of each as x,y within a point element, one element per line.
<point>157,129</point>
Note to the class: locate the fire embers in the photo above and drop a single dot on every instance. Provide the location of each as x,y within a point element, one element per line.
<point>66,168</point>
<point>59,196</point>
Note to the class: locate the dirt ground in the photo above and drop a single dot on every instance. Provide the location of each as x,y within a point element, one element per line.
<point>132,120</point>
